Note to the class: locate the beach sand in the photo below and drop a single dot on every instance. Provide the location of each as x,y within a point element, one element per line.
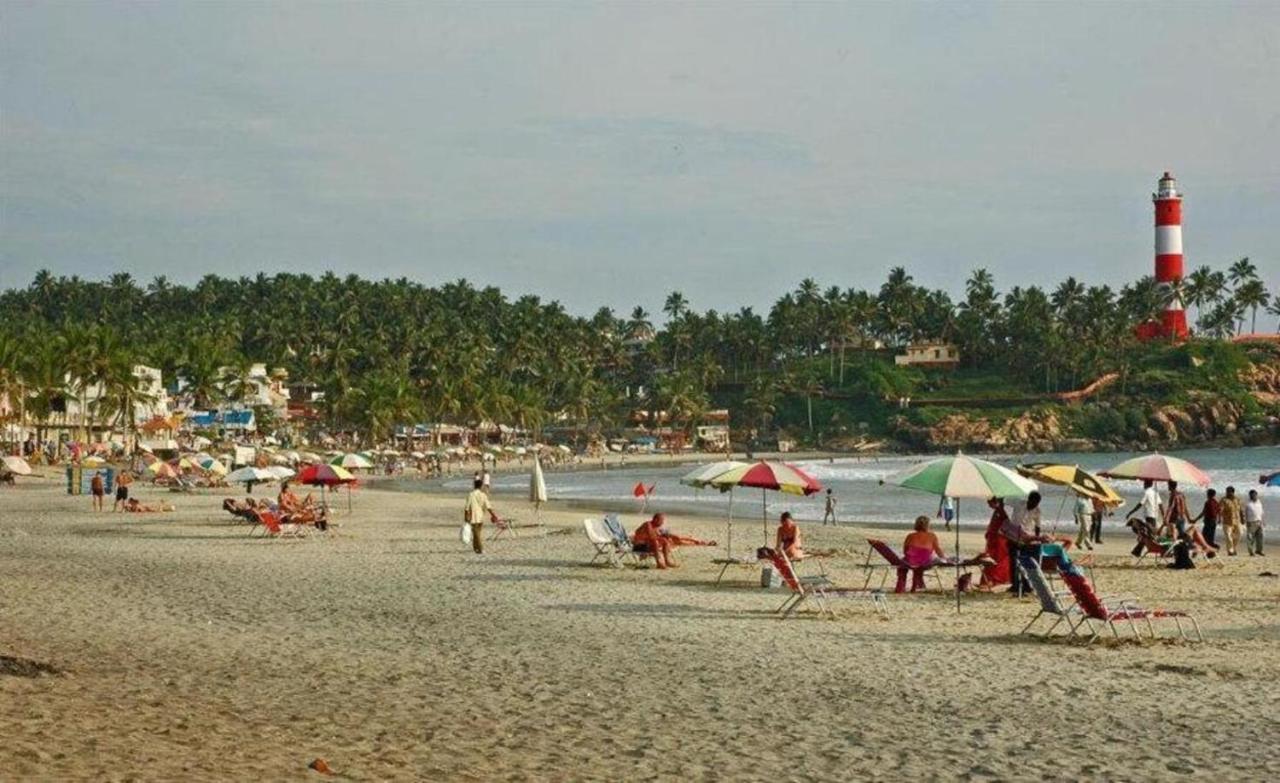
<point>184,649</point>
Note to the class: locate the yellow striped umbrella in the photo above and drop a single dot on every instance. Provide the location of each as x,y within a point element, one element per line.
<point>1073,477</point>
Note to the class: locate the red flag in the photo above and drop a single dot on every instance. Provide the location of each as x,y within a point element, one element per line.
<point>639,490</point>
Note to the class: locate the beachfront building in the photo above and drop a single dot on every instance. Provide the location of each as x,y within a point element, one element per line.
<point>84,407</point>
<point>259,388</point>
<point>929,354</point>
<point>713,432</point>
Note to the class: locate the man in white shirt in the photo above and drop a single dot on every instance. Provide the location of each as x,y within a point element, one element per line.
<point>1083,510</point>
<point>1152,511</point>
<point>1023,532</point>
<point>1253,524</point>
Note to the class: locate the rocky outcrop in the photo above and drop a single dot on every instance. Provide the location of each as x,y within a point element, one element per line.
<point>1032,431</point>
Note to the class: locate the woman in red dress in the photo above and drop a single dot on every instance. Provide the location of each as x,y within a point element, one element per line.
<point>997,548</point>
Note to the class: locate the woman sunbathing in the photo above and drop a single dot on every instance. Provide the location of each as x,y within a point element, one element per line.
<point>133,505</point>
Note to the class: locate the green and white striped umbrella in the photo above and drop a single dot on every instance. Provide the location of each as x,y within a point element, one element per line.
<point>963,477</point>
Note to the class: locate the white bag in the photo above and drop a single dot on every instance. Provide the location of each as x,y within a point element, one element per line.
<point>465,534</point>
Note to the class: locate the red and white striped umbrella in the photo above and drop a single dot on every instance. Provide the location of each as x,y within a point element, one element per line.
<point>765,475</point>
<point>778,476</point>
<point>1158,467</point>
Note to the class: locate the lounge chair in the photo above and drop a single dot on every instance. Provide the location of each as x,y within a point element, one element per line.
<point>1051,601</point>
<point>622,540</point>
<point>605,543</point>
<point>502,527</point>
<point>819,588</point>
<point>892,562</point>
<point>1105,611</point>
<point>274,528</point>
<point>1160,548</point>
<point>725,562</point>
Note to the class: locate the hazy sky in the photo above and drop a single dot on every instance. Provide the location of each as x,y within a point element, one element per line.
<point>606,154</point>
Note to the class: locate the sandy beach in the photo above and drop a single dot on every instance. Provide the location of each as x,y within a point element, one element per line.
<point>175,646</point>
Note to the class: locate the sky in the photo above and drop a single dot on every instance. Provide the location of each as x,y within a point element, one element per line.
<point>608,153</point>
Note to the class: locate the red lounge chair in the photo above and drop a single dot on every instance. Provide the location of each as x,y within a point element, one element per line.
<point>274,528</point>
<point>819,587</point>
<point>1105,614</point>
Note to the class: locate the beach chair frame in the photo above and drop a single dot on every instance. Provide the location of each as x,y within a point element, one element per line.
<point>1051,602</point>
<point>892,562</point>
<point>820,588</point>
<point>1100,613</point>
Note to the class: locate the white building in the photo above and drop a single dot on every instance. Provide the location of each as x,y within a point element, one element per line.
<point>944,355</point>
<point>84,406</point>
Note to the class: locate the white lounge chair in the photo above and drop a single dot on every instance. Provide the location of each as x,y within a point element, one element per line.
<point>604,542</point>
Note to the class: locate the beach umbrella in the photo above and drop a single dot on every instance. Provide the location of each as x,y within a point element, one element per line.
<point>249,475</point>
<point>281,472</point>
<point>327,477</point>
<point>702,476</point>
<point>93,462</point>
<point>958,477</point>
<point>1074,478</point>
<point>1158,467</point>
<point>163,469</point>
<point>201,442</point>
<point>211,465</point>
<point>766,476</point>
<point>17,465</point>
<point>351,461</point>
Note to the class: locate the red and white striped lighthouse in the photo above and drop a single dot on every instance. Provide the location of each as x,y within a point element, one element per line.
<point>1168,202</point>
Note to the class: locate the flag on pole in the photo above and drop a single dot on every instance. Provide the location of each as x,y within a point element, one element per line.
<point>639,490</point>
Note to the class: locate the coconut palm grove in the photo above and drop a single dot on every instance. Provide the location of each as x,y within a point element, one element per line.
<point>818,366</point>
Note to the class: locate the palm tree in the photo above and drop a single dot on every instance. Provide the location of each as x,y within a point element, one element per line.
<point>1251,295</point>
<point>1242,272</point>
<point>1273,309</point>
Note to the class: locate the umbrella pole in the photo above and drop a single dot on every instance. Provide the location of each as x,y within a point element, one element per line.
<point>764,514</point>
<point>957,555</point>
<point>348,497</point>
<point>728,550</point>
<point>1061,506</point>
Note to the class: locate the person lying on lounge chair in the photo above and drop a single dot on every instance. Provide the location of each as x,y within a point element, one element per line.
<point>1198,542</point>
<point>133,505</point>
<point>653,538</point>
<point>287,501</point>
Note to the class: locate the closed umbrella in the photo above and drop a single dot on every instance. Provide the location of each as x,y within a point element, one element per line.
<point>962,477</point>
<point>537,489</point>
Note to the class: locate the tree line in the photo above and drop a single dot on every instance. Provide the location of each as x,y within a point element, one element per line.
<point>390,352</point>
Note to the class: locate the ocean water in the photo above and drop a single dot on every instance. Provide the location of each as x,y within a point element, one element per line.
<point>855,481</point>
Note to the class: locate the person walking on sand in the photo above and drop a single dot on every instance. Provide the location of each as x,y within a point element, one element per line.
<point>1253,524</point>
<point>947,510</point>
<point>1083,510</point>
<point>98,488</point>
<point>122,489</point>
<point>474,512</point>
<point>1176,514</point>
<point>1211,512</point>
<point>1231,515</point>
<point>1095,520</point>
<point>830,511</point>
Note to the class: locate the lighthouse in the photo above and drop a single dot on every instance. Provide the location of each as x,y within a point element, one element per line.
<point>1168,204</point>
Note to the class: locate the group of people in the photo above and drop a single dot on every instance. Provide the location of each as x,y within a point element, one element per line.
<point>98,491</point>
<point>1173,519</point>
<point>292,509</point>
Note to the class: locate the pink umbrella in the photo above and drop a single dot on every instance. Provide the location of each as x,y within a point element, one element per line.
<point>1159,467</point>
